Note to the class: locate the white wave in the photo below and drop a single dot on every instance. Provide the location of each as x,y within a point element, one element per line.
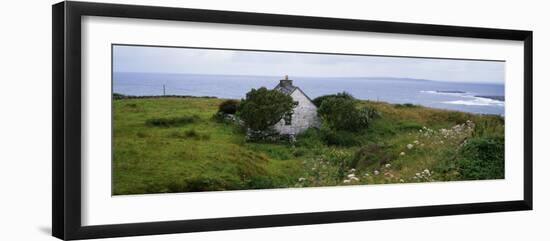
<point>478,101</point>
<point>445,93</point>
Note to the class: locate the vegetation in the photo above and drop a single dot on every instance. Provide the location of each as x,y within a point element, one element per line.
<point>340,112</point>
<point>263,108</point>
<point>172,121</point>
<point>406,105</point>
<point>187,150</point>
<point>342,95</point>
<point>481,158</point>
<point>228,107</point>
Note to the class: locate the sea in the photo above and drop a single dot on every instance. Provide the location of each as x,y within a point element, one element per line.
<point>469,97</point>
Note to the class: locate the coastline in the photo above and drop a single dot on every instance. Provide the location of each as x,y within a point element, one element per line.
<point>118,96</point>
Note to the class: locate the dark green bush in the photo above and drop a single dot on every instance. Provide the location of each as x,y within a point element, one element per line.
<point>481,158</point>
<point>342,114</point>
<point>263,108</point>
<point>118,96</point>
<point>343,95</point>
<point>228,107</point>
<point>406,105</point>
<point>174,121</point>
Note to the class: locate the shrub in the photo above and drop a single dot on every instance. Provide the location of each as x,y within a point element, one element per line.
<point>174,121</point>
<point>343,95</point>
<point>489,126</point>
<point>341,161</point>
<point>299,152</point>
<point>367,114</point>
<point>342,114</point>
<point>312,138</point>
<point>340,138</point>
<point>228,107</point>
<point>370,154</point>
<point>481,158</point>
<point>263,108</point>
<point>406,105</point>
<point>118,96</point>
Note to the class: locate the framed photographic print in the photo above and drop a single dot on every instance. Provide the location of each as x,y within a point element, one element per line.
<point>170,120</point>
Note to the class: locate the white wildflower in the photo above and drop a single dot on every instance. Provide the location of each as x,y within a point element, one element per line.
<point>366,174</point>
<point>347,181</point>
<point>401,180</point>
<point>388,165</point>
<point>301,179</point>
<point>402,153</point>
<point>352,170</point>
<point>415,141</point>
<point>376,172</point>
<point>354,179</point>
<point>418,174</point>
<point>351,175</point>
<point>409,146</point>
<point>427,171</point>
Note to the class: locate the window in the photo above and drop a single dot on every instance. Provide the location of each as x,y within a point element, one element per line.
<point>288,119</point>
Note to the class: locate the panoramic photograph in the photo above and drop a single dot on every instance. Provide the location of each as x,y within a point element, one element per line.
<point>201,119</point>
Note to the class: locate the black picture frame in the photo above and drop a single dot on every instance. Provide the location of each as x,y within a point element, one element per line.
<point>66,75</point>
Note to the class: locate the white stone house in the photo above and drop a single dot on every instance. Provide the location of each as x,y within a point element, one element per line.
<point>304,114</point>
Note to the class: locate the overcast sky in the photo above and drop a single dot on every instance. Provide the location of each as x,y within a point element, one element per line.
<point>203,61</point>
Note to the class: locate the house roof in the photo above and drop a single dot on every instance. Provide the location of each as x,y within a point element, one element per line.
<point>289,88</point>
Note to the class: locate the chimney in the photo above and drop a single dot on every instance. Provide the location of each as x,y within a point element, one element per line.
<point>286,81</point>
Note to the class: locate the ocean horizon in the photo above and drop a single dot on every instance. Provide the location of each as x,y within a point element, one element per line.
<point>486,98</point>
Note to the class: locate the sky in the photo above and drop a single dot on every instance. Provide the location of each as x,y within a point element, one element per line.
<point>239,62</point>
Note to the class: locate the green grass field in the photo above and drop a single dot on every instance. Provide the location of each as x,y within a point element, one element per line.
<point>175,145</point>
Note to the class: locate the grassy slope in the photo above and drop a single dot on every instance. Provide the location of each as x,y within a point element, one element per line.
<point>208,155</point>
